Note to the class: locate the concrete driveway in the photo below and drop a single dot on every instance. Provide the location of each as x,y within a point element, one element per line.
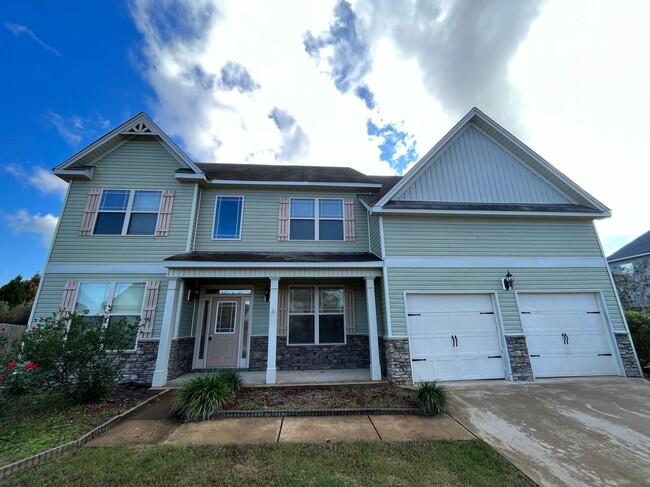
<point>577,432</point>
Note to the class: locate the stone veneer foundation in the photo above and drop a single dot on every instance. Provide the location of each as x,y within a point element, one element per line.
<point>355,354</point>
<point>395,360</point>
<point>626,349</point>
<point>519,358</point>
<point>138,366</point>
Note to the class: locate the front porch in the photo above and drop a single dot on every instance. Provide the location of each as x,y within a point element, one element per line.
<point>322,318</point>
<point>293,378</point>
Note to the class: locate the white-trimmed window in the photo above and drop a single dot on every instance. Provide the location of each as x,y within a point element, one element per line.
<point>228,213</point>
<point>316,219</point>
<point>113,301</point>
<point>316,316</point>
<point>128,212</point>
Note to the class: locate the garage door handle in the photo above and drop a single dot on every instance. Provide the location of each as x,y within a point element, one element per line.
<point>418,360</point>
<point>565,338</point>
<point>454,341</point>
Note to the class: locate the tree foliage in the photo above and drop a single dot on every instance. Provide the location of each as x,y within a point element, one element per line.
<point>639,323</point>
<point>17,298</point>
<point>634,287</point>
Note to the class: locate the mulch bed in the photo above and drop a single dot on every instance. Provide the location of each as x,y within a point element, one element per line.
<point>325,397</point>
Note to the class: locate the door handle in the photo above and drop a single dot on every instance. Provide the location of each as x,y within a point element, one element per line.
<point>567,338</point>
<point>453,342</point>
<point>456,340</point>
<point>564,338</point>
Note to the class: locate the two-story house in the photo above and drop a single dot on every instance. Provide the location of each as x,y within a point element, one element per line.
<point>482,262</point>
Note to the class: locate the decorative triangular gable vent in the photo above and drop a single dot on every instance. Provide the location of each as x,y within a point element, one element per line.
<point>476,169</point>
<point>139,128</point>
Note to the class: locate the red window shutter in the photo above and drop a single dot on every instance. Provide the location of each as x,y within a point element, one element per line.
<point>90,212</point>
<point>69,298</point>
<point>283,219</point>
<point>350,316</point>
<point>283,310</point>
<point>149,309</point>
<point>165,215</point>
<point>348,223</point>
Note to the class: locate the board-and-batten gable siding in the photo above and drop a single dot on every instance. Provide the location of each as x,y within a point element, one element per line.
<point>476,169</point>
<point>137,164</point>
<point>458,280</point>
<point>484,237</point>
<point>374,230</point>
<point>260,222</point>
<point>49,299</point>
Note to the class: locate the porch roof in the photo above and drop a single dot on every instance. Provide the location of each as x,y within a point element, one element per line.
<point>272,259</point>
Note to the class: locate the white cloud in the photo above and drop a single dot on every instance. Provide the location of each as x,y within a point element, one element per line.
<point>75,128</point>
<point>42,179</point>
<point>24,222</point>
<point>17,29</point>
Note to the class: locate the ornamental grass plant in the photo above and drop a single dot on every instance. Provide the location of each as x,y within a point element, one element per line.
<point>431,397</point>
<point>204,394</point>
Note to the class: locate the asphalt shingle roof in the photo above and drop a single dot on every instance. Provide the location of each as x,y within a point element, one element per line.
<point>265,257</point>
<point>638,246</point>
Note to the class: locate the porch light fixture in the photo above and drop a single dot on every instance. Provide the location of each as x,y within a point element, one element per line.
<point>508,282</point>
<point>267,294</point>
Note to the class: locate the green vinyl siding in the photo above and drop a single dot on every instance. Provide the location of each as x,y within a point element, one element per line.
<point>260,222</point>
<point>51,294</point>
<point>380,304</point>
<point>360,310</point>
<point>374,230</point>
<point>186,319</point>
<point>409,236</point>
<point>138,164</point>
<point>260,319</point>
<point>459,280</point>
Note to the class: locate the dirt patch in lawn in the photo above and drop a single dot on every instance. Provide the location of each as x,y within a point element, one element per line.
<point>326,397</point>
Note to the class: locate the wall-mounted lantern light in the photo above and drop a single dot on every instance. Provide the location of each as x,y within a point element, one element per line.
<point>267,294</point>
<point>508,282</point>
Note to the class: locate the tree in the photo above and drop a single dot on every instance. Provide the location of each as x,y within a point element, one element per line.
<point>634,287</point>
<point>14,292</point>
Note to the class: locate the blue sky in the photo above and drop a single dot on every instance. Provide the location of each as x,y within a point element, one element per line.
<point>367,83</point>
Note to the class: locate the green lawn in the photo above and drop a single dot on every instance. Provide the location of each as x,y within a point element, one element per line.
<point>432,463</point>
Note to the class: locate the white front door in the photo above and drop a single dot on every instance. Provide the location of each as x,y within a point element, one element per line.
<point>224,332</point>
<point>565,334</point>
<point>453,337</point>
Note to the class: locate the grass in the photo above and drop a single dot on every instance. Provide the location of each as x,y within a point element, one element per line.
<point>206,393</point>
<point>432,397</point>
<point>30,425</point>
<point>432,463</point>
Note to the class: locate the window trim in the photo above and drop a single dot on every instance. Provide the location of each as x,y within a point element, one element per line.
<point>214,217</point>
<point>316,315</point>
<point>112,285</point>
<point>317,218</point>
<point>127,213</point>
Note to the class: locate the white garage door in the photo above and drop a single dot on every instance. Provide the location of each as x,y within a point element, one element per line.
<point>453,337</point>
<point>566,335</point>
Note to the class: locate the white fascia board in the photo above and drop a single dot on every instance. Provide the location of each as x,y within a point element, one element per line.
<point>489,262</point>
<point>106,269</point>
<point>171,144</point>
<point>82,173</point>
<point>307,265</point>
<point>637,256</point>
<point>368,207</point>
<point>291,183</point>
<point>191,177</point>
<point>379,210</point>
<point>426,158</point>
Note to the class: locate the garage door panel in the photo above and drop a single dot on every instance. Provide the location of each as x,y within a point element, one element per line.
<point>583,350</point>
<point>470,319</point>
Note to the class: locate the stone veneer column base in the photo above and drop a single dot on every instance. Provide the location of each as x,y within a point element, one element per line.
<point>138,366</point>
<point>395,360</point>
<point>519,358</point>
<point>626,349</point>
<point>354,354</point>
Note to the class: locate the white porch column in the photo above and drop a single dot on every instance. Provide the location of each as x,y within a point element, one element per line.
<point>165,343</point>
<point>373,336</point>
<point>273,331</point>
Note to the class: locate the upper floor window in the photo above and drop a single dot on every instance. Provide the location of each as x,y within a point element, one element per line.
<point>228,214</point>
<point>113,301</point>
<point>316,219</point>
<point>127,212</point>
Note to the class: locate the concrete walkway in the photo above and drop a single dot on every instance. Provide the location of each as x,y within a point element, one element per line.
<point>155,424</point>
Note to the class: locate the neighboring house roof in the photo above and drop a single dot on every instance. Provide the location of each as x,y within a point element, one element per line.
<point>286,173</point>
<point>636,248</point>
<point>506,172</point>
<point>273,257</point>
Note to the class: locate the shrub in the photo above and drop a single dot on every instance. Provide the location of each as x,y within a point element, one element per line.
<point>431,397</point>
<point>75,355</point>
<point>204,394</point>
<point>639,323</point>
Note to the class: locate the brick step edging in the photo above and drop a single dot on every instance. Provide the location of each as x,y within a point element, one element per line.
<point>310,412</point>
<point>22,465</point>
